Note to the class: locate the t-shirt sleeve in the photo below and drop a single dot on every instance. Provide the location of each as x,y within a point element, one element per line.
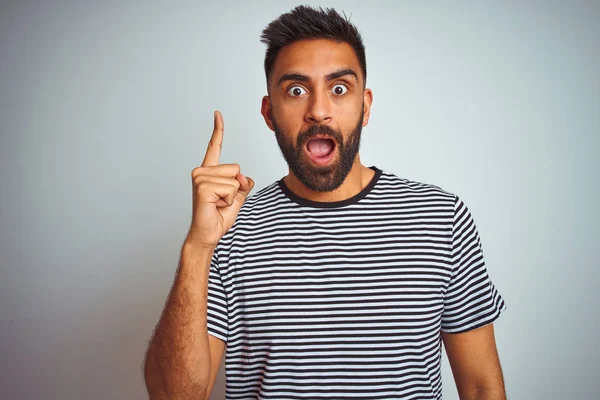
<point>471,299</point>
<point>217,322</point>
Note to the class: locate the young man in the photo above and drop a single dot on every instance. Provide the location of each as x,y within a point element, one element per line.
<point>338,281</point>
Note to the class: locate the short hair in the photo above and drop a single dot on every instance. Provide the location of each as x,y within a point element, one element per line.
<point>305,22</point>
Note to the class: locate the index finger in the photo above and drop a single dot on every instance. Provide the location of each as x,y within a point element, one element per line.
<point>213,153</point>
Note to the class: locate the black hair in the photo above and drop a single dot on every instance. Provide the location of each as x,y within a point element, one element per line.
<point>305,22</point>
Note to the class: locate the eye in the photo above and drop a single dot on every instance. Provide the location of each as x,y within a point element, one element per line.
<point>340,89</point>
<point>296,91</point>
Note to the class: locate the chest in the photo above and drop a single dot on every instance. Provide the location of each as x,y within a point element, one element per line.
<point>316,280</point>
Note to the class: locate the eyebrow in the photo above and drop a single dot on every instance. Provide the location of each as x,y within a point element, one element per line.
<point>305,78</point>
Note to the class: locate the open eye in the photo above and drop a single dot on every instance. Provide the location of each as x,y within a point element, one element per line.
<point>339,89</point>
<point>296,91</point>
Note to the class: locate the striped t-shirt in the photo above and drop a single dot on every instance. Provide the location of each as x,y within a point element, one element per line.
<point>346,300</point>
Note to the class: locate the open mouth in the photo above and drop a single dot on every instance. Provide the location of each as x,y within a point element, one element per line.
<point>320,150</point>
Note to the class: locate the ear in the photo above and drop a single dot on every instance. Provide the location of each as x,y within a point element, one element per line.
<point>367,101</point>
<point>265,110</point>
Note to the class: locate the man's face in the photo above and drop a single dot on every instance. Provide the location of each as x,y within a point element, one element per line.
<point>317,108</point>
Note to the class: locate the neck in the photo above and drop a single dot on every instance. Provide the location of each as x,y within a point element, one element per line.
<point>358,178</point>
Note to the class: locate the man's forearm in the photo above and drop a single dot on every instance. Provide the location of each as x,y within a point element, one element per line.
<point>484,393</point>
<point>178,360</point>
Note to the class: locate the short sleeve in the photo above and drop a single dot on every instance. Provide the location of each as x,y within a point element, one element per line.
<point>217,322</point>
<point>471,299</point>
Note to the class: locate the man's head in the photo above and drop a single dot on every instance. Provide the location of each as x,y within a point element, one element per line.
<point>317,103</point>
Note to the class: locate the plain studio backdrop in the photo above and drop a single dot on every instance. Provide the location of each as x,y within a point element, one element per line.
<point>106,108</point>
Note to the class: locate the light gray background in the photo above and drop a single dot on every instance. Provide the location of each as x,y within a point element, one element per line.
<point>106,109</point>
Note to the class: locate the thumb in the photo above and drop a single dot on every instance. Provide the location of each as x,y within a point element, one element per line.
<point>246,184</point>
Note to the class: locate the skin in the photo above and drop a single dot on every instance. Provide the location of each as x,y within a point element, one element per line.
<point>319,104</point>
<point>475,364</point>
<point>182,360</point>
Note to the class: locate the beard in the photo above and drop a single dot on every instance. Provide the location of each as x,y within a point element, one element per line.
<point>324,178</point>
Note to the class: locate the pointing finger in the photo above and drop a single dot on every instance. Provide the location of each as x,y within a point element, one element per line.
<point>213,153</point>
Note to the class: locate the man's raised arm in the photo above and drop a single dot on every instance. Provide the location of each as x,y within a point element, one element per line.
<point>182,359</point>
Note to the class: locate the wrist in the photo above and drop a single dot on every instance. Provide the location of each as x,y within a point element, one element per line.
<point>195,241</point>
<point>195,258</point>
<point>191,245</point>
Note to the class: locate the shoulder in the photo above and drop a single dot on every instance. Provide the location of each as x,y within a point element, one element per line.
<point>264,199</point>
<point>392,184</point>
<point>259,208</point>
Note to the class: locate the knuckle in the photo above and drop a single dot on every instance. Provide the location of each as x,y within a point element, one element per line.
<point>197,180</point>
<point>197,171</point>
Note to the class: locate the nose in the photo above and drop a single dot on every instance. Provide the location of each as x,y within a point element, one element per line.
<point>319,108</point>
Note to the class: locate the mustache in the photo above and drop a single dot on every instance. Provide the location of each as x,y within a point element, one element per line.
<point>320,130</point>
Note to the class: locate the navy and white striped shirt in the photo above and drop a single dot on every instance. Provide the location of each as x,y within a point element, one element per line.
<point>346,300</point>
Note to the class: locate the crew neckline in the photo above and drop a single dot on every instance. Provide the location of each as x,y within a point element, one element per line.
<point>331,204</point>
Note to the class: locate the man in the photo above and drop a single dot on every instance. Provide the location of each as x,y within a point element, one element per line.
<point>338,281</point>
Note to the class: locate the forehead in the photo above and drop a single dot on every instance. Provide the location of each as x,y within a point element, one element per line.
<point>315,58</point>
